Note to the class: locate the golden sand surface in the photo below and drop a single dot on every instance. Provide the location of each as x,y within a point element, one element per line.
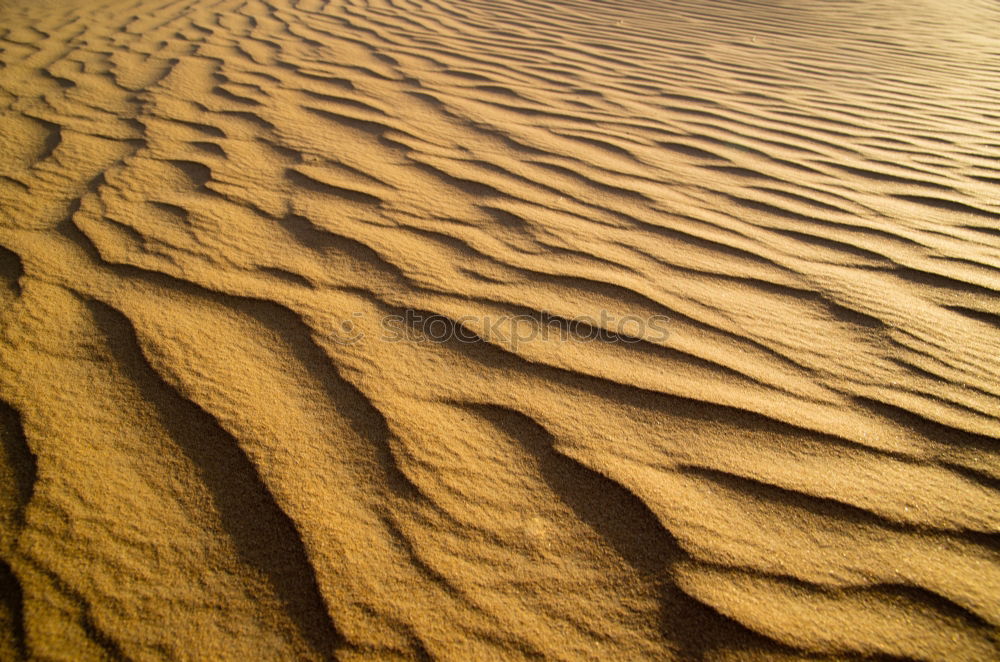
<point>498,330</point>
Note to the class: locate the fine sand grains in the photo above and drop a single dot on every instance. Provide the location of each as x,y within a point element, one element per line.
<point>492,330</point>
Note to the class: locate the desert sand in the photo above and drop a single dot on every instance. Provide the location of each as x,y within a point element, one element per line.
<point>499,330</point>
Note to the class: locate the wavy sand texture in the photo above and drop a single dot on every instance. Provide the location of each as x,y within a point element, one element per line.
<point>213,450</point>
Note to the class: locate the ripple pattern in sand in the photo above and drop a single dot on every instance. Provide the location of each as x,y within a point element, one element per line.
<point>210,450</point>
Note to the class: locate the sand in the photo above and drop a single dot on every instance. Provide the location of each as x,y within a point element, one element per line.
<point>475,330</point>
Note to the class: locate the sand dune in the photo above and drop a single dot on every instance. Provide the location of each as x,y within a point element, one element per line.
<point>475,330</point>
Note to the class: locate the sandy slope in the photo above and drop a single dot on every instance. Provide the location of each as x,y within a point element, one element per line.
<point>215,446</point>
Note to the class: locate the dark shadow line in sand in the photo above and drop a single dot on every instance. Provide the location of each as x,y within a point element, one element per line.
<point>263,534</point>
<point>627,524</point>
<point>12,613</point>
<point>18,456</point>
<point>11,270</point>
